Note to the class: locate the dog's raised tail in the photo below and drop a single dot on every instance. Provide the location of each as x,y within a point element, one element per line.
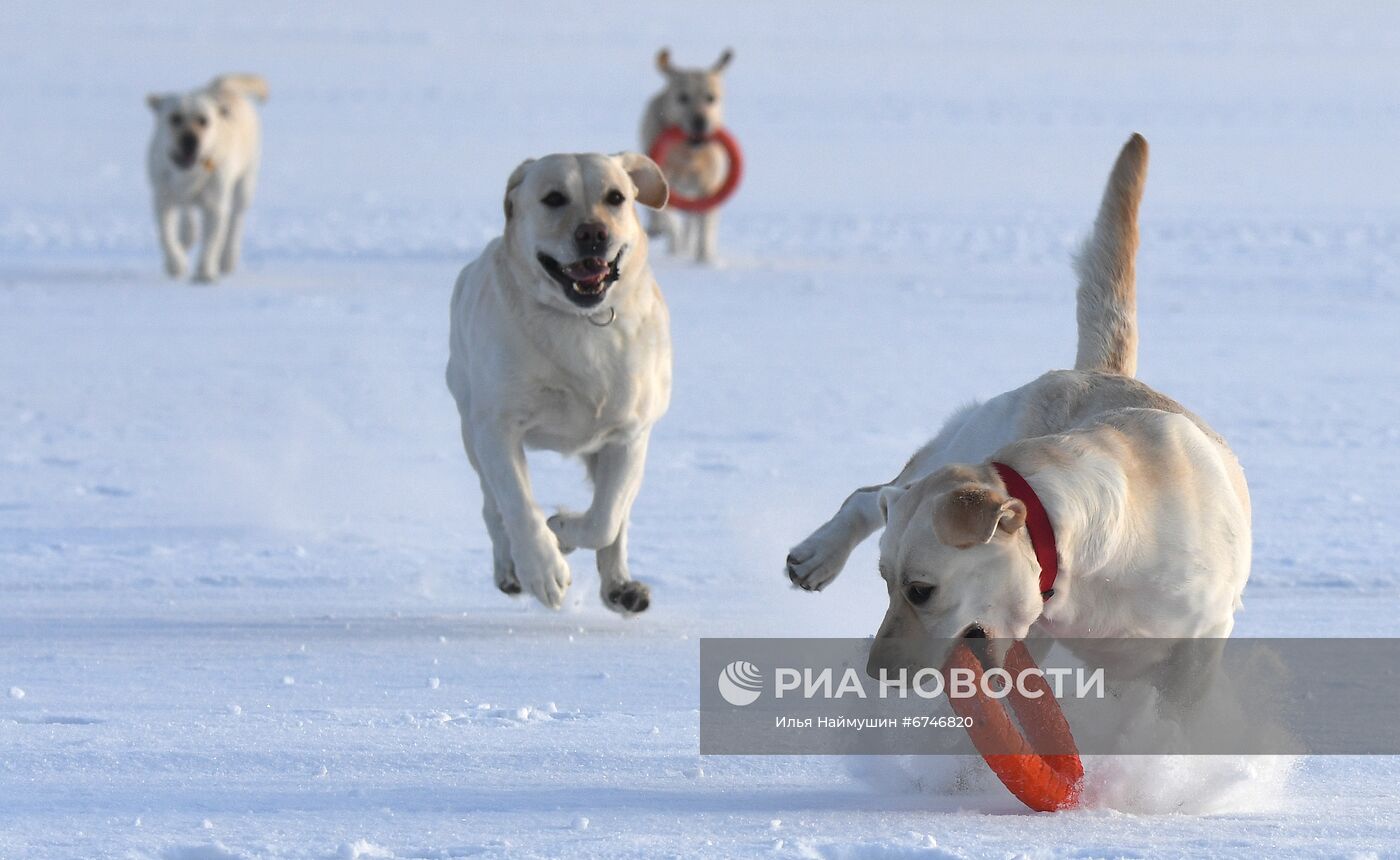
<point>252,86</point>
<point>1107,300</point>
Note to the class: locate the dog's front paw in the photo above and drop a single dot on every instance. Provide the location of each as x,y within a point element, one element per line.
<point>579,531</point>
<point>814,563</point>
<point>175,267</point>
<point>206,275</point>
<point>562,525</point>
<point>546,576</point>
<point>629,598</point>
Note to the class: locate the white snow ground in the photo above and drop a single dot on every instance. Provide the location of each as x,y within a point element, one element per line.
<point>245,600</point>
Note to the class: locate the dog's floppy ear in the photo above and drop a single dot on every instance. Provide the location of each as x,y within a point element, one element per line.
<point>155,100</point>
<point>723,61</point>
<point>651,183</point>
<point>972,513</point>
<point>663,61</point>
<point>517,176</point>
<point>889,494</point>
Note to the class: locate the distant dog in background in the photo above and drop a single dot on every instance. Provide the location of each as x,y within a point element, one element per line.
<point>692,100</point>
<point>204,156</point>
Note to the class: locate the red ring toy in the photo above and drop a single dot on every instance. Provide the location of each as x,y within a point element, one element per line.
<point>1045,783</point>
<point>673,135</point>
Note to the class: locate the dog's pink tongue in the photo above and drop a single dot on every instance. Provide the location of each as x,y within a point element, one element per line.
<point>584,268</point>
<point>589,272</point>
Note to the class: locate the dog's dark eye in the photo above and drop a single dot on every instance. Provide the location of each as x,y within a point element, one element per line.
<point>554,200</point>
<point>919,593</point>
<point>201,121</point>
<point>683,99</point>
<point>710,97</point>
<point>615,198</point>
<point>176,119</point>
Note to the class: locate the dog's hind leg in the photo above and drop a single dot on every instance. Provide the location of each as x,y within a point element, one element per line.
<point>238,206</point>
<point>707,239</point>
<point>616,470</point>
<point>617,477</point>
<point>620,592</point>
<point>814,563</point>
<point>1191,671</point>
<point>503,567</point>
<point>691,230</point>
<point>215,215</point>
<point>663,223</point>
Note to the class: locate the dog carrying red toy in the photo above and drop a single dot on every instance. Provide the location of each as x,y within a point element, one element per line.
<point>674,136</point>
<point>1046,782</point>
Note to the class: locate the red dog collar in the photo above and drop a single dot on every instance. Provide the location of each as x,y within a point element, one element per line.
<point>1037,525</point>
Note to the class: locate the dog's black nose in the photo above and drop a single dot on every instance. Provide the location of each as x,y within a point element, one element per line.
<point>699,127</point>
<point>188,142</point>
<point>591,239</point>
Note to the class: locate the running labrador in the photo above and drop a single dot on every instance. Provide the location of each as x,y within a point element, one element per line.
<point>1148,510</point>
<point>560,340</point>
<point>204,156</point>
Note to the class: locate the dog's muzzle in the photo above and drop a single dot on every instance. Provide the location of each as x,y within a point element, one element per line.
<point>584,281</point>
<point>186,151</point>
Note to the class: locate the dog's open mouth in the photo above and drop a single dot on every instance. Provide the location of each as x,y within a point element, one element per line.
<point>183,160</point>
<point>584,281</point>
<point>976,640</point>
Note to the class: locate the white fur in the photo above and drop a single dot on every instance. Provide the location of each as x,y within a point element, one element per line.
<point>1149,506</point>
<point>217,183</point>
<point>531,368</point>
<point>693,100</point>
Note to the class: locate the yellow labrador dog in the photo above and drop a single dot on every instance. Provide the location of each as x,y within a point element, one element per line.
<point>561,340</point>
<point>204,156</point>
<point>1147,511</point>
<point>693,100</point>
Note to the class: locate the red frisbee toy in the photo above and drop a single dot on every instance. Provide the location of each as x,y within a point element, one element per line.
<point>672,136</point>
<point>1044,782</point>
